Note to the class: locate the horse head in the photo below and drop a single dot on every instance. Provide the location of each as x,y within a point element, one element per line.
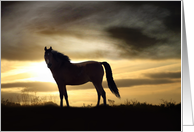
<point>47,49</point>
<point>48,56</point>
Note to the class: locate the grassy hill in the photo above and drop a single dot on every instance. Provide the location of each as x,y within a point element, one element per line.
<point>128,117</point>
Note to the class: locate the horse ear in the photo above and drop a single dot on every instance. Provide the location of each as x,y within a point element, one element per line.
<point>50,48</point>
<point>45,48</point>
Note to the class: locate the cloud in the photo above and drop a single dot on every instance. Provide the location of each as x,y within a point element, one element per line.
<point>16,76</point>
<point>49,87</point>
<point>135,82</point>
<point>172,21</point>
<point>145,30</point>
<point>135,44</point>
<point>164,75</point>
<point>32,86</point>
<point>132,36</point>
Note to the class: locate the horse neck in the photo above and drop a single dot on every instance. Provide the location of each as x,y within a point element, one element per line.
<point>58,65</point>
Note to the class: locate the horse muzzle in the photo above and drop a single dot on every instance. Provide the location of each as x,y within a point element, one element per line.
<point>49,65</point>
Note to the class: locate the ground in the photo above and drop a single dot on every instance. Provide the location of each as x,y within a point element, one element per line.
<point>111,118</point>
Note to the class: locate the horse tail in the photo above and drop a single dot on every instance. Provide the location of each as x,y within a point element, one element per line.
<point>111,84</point>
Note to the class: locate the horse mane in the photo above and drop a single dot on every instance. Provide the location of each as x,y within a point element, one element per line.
<point>61,57</point>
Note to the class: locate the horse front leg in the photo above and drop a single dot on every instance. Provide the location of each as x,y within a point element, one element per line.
<point>60,87</point>
<point>61,98</point>
<point>65,95</point>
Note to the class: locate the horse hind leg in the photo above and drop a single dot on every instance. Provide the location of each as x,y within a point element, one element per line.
<point>100,92</point>
<point>98,98</point>
<point>104,96</point>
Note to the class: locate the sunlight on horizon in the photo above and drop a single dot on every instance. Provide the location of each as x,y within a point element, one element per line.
<point>33,71</point>
<point>122,69</point>
<point>40,72</point>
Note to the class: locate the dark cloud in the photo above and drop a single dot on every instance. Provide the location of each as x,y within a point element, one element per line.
<point>49,87</point>
<point>145,30</point>
<point>164,75</point>
<point>172,21</point>
<point>133,37</point>
<point>135,82</point>
<point>30,52</point>
<point>135,44</point>
<point>32,86</point>
<point>149,40</point>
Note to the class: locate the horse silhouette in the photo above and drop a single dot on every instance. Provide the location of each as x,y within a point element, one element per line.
<point>66,73</point>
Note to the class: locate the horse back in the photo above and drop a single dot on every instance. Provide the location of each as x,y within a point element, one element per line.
<point>91,68</point>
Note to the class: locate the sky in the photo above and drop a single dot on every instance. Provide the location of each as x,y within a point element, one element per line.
<point>140,40</point>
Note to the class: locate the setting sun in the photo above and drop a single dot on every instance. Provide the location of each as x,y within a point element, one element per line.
<point>27,71</point>
<point>39,72</point>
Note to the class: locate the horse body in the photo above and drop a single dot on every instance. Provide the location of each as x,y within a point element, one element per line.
<point>78,73</point>
<point>66,73</point>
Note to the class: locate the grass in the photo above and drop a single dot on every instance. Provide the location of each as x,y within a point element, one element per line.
<point>36,101</point>
<point>25,99</point>
<point>130,116</point>
<point>7,103</point>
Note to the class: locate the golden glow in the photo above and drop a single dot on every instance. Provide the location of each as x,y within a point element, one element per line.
<point>13,71</point>
<point>125,69</point>
<point>26,71</point>
<point>40,72</point>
